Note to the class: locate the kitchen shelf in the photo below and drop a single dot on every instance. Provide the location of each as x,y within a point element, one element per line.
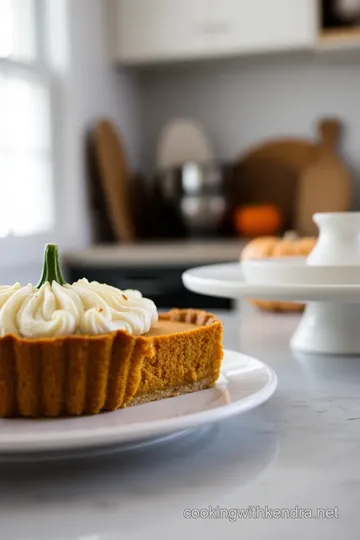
<point>339,39</point>
<point>342,34</point>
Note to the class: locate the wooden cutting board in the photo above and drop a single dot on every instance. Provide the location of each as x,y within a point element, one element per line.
<point>291,173</point>
<point>294,153</point>
<point>269,173</point>
<point>115,178</point>
<point>326,184</point>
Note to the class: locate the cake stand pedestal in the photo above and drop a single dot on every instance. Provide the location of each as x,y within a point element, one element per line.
<point>328,281</point>
<point>328,328</point>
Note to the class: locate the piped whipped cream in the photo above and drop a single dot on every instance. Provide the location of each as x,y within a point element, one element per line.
<point>83,307</point>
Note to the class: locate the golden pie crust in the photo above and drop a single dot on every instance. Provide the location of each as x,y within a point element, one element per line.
<point>75,375</point>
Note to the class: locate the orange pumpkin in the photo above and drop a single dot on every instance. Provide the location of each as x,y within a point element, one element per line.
<point>260,220</point>
<point>271,246</point>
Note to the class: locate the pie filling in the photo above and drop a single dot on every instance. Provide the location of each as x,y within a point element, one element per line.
<point>162,327</point>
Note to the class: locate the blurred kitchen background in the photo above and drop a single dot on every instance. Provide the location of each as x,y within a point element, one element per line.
<point>149,136</point>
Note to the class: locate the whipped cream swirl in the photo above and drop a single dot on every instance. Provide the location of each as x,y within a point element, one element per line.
<point>86,308</point>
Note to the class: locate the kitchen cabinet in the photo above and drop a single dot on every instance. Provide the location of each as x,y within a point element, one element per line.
<point>154,30</point>
<point>150,31</point>
<point>250,26</point>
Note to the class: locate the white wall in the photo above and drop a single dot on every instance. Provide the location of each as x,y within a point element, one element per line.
<point>241,103</point>
<point>95,89</point>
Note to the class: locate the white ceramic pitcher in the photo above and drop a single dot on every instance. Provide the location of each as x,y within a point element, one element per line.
<point>339,239</point>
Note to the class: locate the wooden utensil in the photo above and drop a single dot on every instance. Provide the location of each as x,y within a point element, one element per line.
<point>115,178</point>
<point>325,185</point>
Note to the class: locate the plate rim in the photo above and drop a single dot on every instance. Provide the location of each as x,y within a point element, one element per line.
<point>242,289</point>
<point>84,438</point>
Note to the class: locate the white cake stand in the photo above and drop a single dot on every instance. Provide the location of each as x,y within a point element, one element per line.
<point>328,282</point>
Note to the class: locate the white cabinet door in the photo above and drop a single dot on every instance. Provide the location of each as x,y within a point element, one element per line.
<point>240,26</point>
<point>155,30</point>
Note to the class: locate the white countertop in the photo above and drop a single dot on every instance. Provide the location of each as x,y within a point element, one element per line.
<point>174,252</point>
<point>299,450</point>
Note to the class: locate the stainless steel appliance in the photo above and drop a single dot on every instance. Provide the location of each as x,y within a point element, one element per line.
<point>195,191</point>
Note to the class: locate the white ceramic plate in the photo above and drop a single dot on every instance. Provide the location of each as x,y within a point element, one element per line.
<point>227,281</point>
<point>295,271</point>
<point>244,383</point>
<point>61,454</point>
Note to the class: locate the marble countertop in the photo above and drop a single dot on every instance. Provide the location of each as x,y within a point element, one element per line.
<point>298,452</point>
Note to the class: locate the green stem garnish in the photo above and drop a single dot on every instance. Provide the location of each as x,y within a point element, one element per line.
<point>51,267</point>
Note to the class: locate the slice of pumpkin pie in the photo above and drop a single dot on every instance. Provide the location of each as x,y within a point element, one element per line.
<point>86,347</point>
<point>188,353</point>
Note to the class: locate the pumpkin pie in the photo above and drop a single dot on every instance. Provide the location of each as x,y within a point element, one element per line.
<point>89,347</point>
<point>263,247</point>
<point>187,355</point>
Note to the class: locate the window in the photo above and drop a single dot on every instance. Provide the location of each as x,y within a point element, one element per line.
<point>26,154</point>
